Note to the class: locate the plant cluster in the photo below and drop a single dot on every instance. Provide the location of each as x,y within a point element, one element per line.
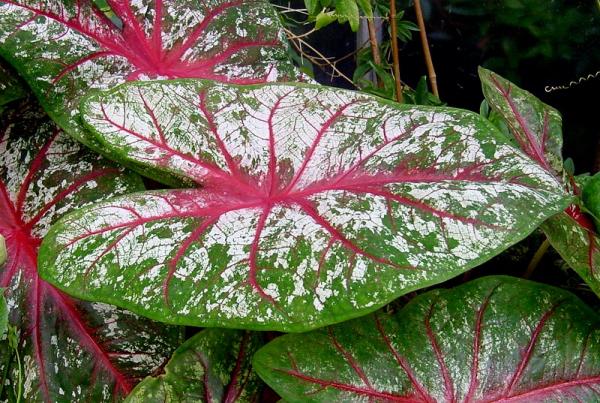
<point>286,206</point>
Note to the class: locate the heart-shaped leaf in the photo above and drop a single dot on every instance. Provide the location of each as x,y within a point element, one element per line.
<point>495,339</point>
<point>537,128</point>
<point>64,48</point>
<point>319,204</point>
<point>213,366</point>
<point>68,350</point>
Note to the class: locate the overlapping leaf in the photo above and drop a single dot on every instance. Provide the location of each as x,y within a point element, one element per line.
<point>537,128</point>
<point>68,350</point>
<point>318,204</point>
<point>64,48</point>
<point>213,366</point>
<point>496,339</point>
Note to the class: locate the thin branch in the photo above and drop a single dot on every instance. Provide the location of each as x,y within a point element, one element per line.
<point>374,47</point>
<point>537,257</point>
<point>426,52</point>
<point>395,53</point>
<point>319,60</point>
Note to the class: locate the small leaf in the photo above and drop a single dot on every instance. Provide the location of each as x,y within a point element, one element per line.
<point>347,10</point>
<point>572,234</point>
<point>312,6</point>
<point>537,130</point>
<point>535,126</point>
<point>318,204</point>
<point>66,350</point>
<point>64,48</point>
<point>325,18</point>
<point>495,339</point>
<point>213,366</point>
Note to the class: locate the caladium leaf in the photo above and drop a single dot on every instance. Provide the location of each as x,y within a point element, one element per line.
<point>537,129</point>
<point>495,339</point>
<point>572,235</point>
<point>69,350</point>
<point>319,204</point>
<point>590,196</point>
<point>64,48</point>
<point>535,126</point>
<point>212,366</point>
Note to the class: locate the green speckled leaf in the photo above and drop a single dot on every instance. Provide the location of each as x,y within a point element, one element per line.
<point>64,48</point>
<point>69,350</point>
<point>537,129</point>
<point>535,126</point>
<point>573,236</point>
<point>495,339</point>
<point>318,204</point>
<point>590,195</point>
<point>213,366</point>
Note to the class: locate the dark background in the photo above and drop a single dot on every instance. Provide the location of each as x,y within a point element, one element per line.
<point>534,43</point>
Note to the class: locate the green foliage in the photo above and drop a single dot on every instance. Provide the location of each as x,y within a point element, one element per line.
<point>493,339</point>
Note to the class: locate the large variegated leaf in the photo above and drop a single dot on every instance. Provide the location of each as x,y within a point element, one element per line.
<point>496,339</point>
<point>69,350</point>
<point>537,128</point>
<point>319,204</point>
<point>213,366</point>
<point>64,48</point>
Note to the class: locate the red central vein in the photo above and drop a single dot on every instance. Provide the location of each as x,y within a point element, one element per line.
<point>548,390</point>
<point>233,391</point>
<point>311,211</point>
<point>418,205</point>
<point>527,354</point>
<point>193,37</point>
<point>34,168</point>
<point>231,164</point>
<point>185,245</point>
<point>349,388</point>
<point>205,376</point>
<point>448,385</point>
<point>213,169</point>
<point>403,364</point>
<point>477,345</point>
<point>533,146</point>
<point>254,269</point>
<point>85,335</point>
<point>349,359</point>
<point>328,123</point>
<point>272,168</point>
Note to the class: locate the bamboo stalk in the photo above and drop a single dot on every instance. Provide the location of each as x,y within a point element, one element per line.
<point>537,257</point>
<point>426,51</point>
<point>374,46</point>
<point>395,55</point>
